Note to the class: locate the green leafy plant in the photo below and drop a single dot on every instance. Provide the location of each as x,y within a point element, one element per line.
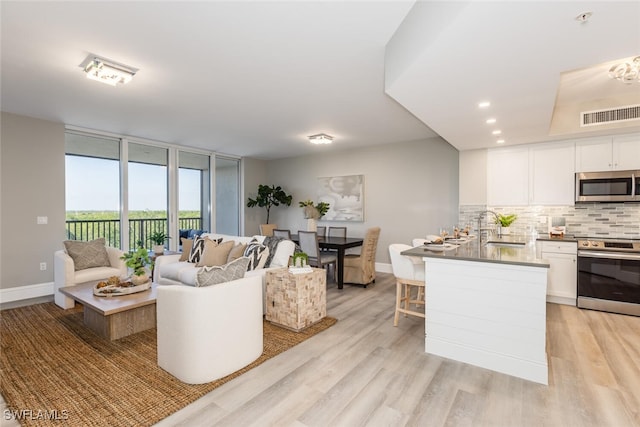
<point>138,260</point>
<point>300,259</point>
<point>158,237</point>
<point>314,211</point>
<point>268,197</point>
<point>506,220</point>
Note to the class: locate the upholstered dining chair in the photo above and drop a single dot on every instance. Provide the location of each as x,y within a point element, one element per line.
<point>267,229</point>
<point>409,273</point>
<point>337,232</point>
<point>285,234</point>
<point>308,241</point>
<point>321,230</point>
<point>361,268</point>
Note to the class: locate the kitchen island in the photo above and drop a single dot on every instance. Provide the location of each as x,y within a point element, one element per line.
<point>486,306</point>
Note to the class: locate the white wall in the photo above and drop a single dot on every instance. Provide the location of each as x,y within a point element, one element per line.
<point>473,177</point>
<point>32,185</point>
<point>411,188</point>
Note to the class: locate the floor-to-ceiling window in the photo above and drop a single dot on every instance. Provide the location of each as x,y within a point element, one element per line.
<point>194,191</point>
<point>146,186</point>
<point>147,189</point>
<point>92,166</point>
<point>227,196</point>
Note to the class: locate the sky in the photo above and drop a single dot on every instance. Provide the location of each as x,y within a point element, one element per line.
<point>93,185</point>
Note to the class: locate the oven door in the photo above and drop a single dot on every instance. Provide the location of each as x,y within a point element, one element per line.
<point>609,281</point>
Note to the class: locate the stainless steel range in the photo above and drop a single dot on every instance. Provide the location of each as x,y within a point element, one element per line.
<point>609,275</point>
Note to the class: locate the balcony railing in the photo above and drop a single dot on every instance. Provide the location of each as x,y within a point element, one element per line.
<point>139,229</point>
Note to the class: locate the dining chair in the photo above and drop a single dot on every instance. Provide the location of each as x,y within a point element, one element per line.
<point>267,229</point>
<point>337,232</point>
<point>409,273</point>
<point>321,230</point>
<point>308,242</point>
<point>286,234</point>
<point>361,268</point>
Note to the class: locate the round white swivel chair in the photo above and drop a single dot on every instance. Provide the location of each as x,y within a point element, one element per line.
<point>409,273</point>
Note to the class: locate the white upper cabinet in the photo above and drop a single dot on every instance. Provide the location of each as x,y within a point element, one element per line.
<point>626,152</point>
<point>608,153</point>
<point>508,176</point>
<point>552,174</point>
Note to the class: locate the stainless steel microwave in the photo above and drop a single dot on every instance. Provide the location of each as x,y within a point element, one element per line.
<point>610,186</point>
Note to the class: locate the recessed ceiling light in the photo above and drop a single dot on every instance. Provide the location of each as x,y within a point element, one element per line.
<point>484,104</point>
<point>496,132</point>
<point>490,121</point>
<point>500,141</point>
<point>321,138</point>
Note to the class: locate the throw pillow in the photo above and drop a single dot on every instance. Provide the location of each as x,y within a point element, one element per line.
<point>197,249</point>
<point>234,270</point>
<point>187,244</point>
<point>237,251</point>
<point>215,253</point>
<point>87,254</point>
<point>257,254</point>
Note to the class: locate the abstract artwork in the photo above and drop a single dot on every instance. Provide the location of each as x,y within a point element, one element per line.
<point>345,195</point>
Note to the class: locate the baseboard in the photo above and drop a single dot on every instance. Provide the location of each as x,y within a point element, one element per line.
<point>26,292</point>
<point>561,300</point>
<point>383,267</point>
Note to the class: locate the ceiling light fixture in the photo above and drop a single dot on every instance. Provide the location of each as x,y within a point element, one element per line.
<point>500,141</point>
<point>490,121</point>
<point>584,16</point>
<point>484,104</point>
<point>106,71</point>
<point>496,132</point>
<point>321,138</point>
<point>626,72</point>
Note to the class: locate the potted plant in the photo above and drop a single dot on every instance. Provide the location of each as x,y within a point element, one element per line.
<point>268,197</point>
<point>158,238</point>
<point>505,221</point>
<point>313,212</point>
<point>139,262</point>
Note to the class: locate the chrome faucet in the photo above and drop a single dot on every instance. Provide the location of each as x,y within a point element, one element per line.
<point>495,215</point>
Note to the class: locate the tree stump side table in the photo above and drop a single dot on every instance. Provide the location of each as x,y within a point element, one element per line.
<point>296,301</point>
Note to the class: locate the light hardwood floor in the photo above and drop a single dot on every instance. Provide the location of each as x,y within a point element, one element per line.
<point>364,371</point>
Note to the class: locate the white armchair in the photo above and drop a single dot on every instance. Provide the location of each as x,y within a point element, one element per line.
<point>206,333</point>
<point>64,273</point>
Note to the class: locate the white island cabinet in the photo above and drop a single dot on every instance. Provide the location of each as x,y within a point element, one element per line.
<point>486,306</point>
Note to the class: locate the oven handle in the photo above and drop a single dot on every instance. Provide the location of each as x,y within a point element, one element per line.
<point>609,255</point>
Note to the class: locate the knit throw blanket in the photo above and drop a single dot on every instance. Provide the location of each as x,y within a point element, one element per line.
<point>271,242</point>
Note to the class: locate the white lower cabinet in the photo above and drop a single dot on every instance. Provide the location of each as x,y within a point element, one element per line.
<point>563,271</point>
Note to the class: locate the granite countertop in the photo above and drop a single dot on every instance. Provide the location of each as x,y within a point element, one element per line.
<point>473,250</point>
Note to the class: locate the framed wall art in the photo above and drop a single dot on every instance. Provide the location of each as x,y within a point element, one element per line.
<point>345,195</point>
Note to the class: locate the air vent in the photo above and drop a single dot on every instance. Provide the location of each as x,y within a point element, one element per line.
<point>611,115</point>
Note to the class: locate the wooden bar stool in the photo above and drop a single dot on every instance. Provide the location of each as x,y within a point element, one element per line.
<point>409,273</point>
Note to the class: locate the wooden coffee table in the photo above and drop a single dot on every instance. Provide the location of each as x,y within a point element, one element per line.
<point>115,317</point>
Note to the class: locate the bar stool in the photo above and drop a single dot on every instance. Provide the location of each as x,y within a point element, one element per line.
<point>409,273</point>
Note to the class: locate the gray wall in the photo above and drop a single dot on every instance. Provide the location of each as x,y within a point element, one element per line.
<point>32,185</point>
<point>411,188</point>
<point>254,172</point>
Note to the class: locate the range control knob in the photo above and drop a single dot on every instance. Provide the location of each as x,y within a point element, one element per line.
<point>595,244</point>
<point>585,244</point>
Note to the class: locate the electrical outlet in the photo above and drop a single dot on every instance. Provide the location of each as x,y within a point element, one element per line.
<point>42,220</point>
<point>43,266</point>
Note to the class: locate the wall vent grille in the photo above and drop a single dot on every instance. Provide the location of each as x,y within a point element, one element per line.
<point>611,115</point>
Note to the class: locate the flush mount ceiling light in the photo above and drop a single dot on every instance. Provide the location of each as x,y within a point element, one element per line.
<point>484,104</point>
<point>321,138</point>
<point>106,71</point>
<point>626,72</point>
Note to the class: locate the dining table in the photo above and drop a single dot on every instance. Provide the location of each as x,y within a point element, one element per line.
<point>340,245</point>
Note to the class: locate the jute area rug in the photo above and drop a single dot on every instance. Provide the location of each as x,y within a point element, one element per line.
<point>51,366</point>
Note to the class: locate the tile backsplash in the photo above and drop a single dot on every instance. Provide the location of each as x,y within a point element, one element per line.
<point>616,220</point>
